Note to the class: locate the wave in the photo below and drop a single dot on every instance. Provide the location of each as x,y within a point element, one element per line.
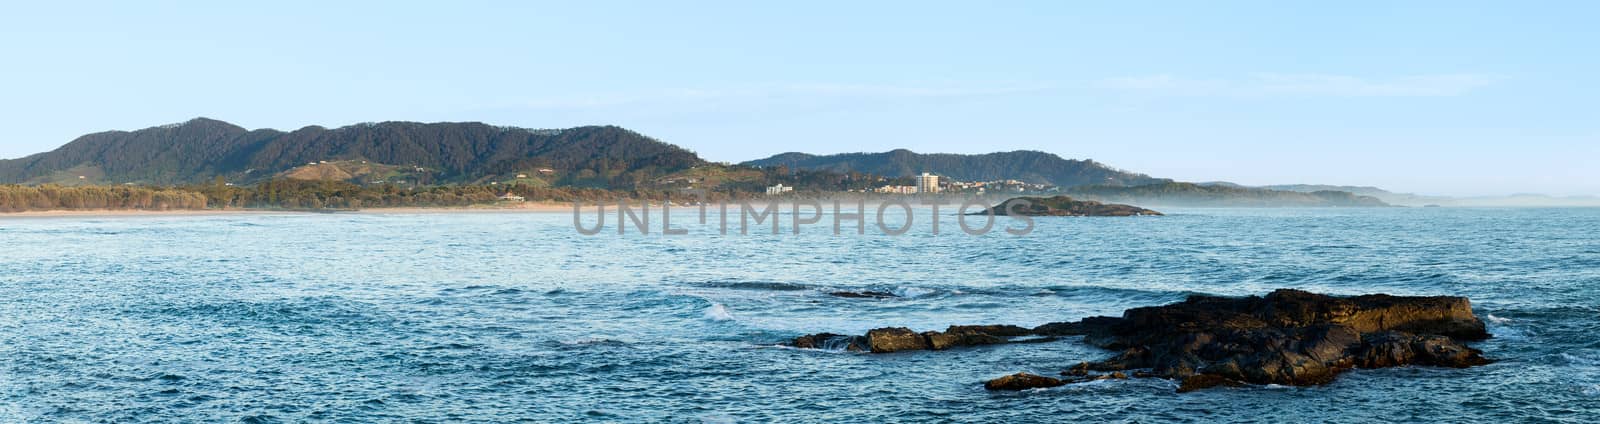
<point>308,310</point>
<point>593,341</point>
<point>718,312</point>
<point>1583,360</point>
<point>907,291</point>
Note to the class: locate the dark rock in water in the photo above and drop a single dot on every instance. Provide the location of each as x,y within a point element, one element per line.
<point>885,340</point>
<point>1022,381</point>
<point>946,340</point>
<point>1287,337</point>
<point>868,294</point>
<point>1204,381</point>
<point>1091,326</point>
<point>1064,206</point>
<point>1393,348</point>
<point>830,341</point>
<point>993,330</point>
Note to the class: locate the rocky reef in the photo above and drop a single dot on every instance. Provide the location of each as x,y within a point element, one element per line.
<point>896,339</point>
<point>1064,206</point>
<point>1287,337</point>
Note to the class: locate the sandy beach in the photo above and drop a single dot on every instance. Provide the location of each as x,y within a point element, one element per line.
<point>524,207</point>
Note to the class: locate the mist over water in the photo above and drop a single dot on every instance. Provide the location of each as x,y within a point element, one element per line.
<point>498,317</point>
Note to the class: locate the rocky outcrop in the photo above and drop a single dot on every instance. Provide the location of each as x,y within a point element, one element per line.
<point>897,339</point>
<point>1287,337</point>
<point>885,340</point>
<point>1023,381</point>
<point>1063,206</point>
<point>830,341</point>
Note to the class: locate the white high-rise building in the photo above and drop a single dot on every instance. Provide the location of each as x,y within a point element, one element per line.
<point>927,183</point>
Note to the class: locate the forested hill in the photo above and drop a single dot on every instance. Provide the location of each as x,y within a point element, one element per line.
<point>201,149</point>
<point>1023,165</point>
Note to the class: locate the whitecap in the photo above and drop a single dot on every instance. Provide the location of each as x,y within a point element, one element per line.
<point>1497,320</point>
<point>1580,360</point>
<point>912,292</point>
<point>788,347</point>
<point>592,341</point>
<point>717,312</point>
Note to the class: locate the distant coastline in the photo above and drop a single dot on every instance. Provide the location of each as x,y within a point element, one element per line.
<point>525,207</point>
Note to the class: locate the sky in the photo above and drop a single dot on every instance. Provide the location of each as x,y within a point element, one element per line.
<point>1447,97</point>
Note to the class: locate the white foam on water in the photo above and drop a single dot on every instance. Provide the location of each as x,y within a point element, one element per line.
<point>912,292</point>
<point>787,347</point>
<point>1497,320</point>
<point>591,341</point>
<point>1581,360</point>
<point>717,312</point>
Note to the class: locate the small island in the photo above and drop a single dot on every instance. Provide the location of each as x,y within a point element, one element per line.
<point>1065,206</point>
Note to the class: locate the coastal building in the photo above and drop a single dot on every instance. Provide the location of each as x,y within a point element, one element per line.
<point>779,189</point>
<point>927,183</point>
<point>511,197</point>
<point>892,189</point>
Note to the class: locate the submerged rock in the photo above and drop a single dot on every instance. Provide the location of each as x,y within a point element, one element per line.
<point>1023,381</point>
<point>867,294</point>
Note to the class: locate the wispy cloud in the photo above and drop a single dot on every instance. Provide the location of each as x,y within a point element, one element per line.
<point>1328,85</point>
<point>778,91</point>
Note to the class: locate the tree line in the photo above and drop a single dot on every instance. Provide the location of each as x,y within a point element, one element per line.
<point>17,198</point>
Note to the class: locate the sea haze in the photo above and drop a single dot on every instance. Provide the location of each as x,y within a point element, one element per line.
<point>497,317</point>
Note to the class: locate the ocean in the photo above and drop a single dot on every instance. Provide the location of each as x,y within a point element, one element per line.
<point>489,317</point>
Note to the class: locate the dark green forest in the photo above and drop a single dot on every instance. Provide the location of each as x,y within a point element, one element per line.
<point>1022,165</point>
<point>195,151</point>
<point>205,163</point>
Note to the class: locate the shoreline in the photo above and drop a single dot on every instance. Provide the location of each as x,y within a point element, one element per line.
<point>528,207</point>
<point>525,207</point>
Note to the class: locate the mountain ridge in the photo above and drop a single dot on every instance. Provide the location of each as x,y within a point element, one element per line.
<point>199,149</point>
<point>1023,165</point>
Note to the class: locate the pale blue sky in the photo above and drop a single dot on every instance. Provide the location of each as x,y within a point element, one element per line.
<point>1445,97</point>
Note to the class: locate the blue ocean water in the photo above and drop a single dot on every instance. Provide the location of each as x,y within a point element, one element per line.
<point>516,317</point>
